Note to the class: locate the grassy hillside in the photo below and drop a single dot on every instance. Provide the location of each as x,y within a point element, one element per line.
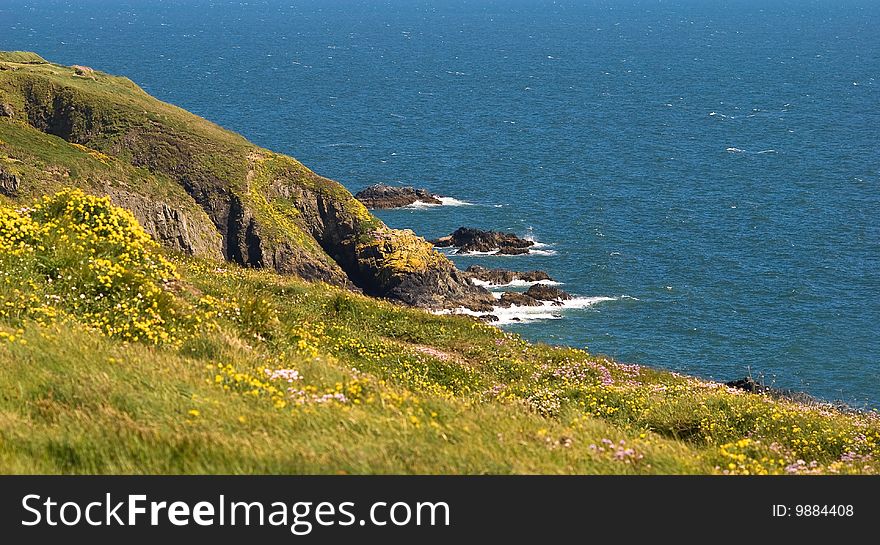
<point>117,357</point>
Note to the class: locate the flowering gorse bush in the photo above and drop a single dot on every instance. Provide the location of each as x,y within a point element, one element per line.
<point>77,255</point>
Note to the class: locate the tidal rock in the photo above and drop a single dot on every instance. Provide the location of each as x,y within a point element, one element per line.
<point>468,240</point>
<point>748,384</point>
<point>382,196</point>
<point>543,292</point>
<point>503,276</point>
<point>513,298</point>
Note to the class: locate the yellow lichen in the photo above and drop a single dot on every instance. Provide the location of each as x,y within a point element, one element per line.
<point>400,251</point>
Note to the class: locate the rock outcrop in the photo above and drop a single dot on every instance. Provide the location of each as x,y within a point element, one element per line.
<point>500,277</point>
<point>513,298</point>
<point>468,240</point>
<point>174,227</point>
<point>542,292</point>
<point>399,265</point>
<point>748,384</point>
<point>536,295</point>
<point>381,196</point>
<point>8,183</point>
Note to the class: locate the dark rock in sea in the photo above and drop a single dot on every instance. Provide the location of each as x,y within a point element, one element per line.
<point>468,240</point>
<point>380,196</point>
<point>748,384</point>
<point>488,318</point>
<point>513,298</point>
<point>504,276</point>
<point>543,292</point>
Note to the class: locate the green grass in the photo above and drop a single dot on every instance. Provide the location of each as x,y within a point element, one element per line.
<point>406,391</point>
<point>23,57</point>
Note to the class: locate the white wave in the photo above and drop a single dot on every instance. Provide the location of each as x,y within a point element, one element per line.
<point>494,253</point>
<point>535,242</point>
<point>478,254</point>
<point>421,205</point>
<point>734,150</point>
<point>546,311</point>
<point>450,201</point>
<point>444,201</point>
<point>514,283</point>
<point>767,151</point>
<point>538,247</point>
<point>346,145</point>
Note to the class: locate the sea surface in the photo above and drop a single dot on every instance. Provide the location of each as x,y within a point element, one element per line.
<point>704,175</point>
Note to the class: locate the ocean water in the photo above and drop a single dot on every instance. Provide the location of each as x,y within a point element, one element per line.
<point>707,172</point>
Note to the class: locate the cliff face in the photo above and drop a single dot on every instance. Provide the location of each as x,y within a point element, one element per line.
<point>199,188</point>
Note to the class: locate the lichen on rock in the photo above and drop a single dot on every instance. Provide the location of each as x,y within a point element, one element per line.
<point>397,264</point>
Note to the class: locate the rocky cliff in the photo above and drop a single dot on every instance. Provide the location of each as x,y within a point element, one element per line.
<point>201,189</point>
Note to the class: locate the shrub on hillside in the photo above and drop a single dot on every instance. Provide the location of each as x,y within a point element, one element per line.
<point>76,255</point>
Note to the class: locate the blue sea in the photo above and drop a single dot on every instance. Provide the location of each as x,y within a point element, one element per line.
<point>708,171</point>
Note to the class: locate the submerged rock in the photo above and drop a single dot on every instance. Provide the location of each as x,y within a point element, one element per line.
<point>381,196</point>
<point>504,276</point>
<point>468,240</point>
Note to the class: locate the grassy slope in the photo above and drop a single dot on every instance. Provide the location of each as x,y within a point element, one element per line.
<point>50,163</point>
<point>406,391</point>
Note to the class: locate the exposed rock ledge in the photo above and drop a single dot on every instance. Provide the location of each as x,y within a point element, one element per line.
<point>534,296</point>
<point>537,295</point>
<point>468,240</point>
<point>381,196</point>
<point>500,277</point>
<point>399,265</point>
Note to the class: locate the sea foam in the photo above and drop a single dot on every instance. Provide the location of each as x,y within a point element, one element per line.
<point>525,314</point>
<point>444,201</point>
<point>514,284</point>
